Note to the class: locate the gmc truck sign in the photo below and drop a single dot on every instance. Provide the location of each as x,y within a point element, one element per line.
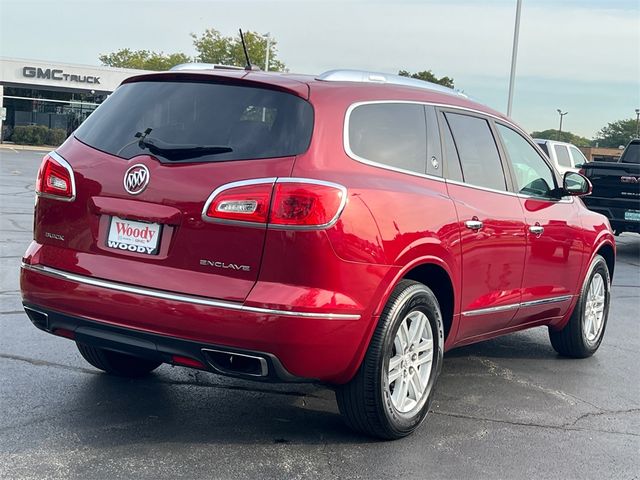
<point>58,74</point>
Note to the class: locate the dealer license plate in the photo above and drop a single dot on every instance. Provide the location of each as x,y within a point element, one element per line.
<point>132,236</point>
<point>633,215</point>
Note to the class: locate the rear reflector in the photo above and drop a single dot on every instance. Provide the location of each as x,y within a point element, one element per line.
<point>187,362</point>
<point>63,332</point>
<point>280,203</point>
<point>55,179</point>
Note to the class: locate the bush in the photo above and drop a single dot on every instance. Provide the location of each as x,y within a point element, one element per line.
<point>55,136</point>
<point>38,135</point>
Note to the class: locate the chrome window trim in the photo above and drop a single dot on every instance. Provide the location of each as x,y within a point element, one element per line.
<point>178,297</point>
<point>67,167</point>
<point>358,158</point>
<point>273,181</point>
<point>514,306</point>
<point>350,153</point>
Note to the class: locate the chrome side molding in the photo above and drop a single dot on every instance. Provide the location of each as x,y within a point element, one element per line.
<point>178,297</point>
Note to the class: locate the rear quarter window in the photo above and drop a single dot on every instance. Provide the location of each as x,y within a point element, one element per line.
<point>562,154</point>
<point>199,121</point>
<point>392,134</point>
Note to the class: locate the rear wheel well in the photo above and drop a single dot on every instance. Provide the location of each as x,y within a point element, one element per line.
<point>437,279</point>
<point>607,253</point>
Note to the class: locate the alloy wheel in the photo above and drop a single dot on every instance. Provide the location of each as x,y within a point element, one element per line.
<point>410,362</point>
<point>593,317</point>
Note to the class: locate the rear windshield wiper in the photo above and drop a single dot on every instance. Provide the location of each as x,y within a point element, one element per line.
<point>181,151</point>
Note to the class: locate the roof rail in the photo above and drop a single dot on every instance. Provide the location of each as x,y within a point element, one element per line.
<point>204,66</point>
<point>385,78</point>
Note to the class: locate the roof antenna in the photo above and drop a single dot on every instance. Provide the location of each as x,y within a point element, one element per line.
<point>246,55</point>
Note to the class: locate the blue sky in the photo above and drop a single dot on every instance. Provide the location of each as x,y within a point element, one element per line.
<point>579,55</point>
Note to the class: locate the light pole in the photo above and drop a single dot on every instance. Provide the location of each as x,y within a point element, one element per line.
<point>266,56</point>
<point>514,57</point>
<point>637,122</point>
<point>562,114</point>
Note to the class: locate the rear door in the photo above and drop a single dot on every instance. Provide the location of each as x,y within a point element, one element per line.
<point>145,163</point>
<point>491,223</point>
<point>555,246</point>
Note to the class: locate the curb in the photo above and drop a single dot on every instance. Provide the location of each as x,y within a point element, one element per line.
<point>10,146</point>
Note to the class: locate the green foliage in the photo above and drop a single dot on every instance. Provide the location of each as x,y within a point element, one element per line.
<point>55,136</point>
<point>213,47</point>
<point>38,135</point>
<point>617,133</point>
<point>143,59</point>
<point>552,134</point>
<point>428,76</point>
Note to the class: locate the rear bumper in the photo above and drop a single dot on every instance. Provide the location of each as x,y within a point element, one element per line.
<point>296,346</point>
<point>614,209</point>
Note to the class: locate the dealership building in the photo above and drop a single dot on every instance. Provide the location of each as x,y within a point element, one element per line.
<point>53,94</point>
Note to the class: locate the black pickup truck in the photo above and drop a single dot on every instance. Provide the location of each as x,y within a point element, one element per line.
<point>616,189</point>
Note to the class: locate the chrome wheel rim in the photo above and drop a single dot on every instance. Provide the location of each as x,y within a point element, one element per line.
<point>593,318</point>
<point>410,362</point>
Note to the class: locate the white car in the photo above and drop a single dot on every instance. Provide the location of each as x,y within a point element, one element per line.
<point>565,156</point>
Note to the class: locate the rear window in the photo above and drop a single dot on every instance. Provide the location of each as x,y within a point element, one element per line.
<point>199,122</point>
<point>631,154</point>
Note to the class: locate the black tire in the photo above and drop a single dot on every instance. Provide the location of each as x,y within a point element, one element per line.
<point>365,402</point>
<point>117,363</point>
<point>572,340</point>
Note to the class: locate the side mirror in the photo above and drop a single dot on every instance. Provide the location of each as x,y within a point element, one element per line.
<point>576,184</point>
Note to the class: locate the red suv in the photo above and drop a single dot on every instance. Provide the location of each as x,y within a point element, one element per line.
<point>345,229</point>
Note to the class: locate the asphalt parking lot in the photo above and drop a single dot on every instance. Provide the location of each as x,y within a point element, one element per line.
<point>506,408</point>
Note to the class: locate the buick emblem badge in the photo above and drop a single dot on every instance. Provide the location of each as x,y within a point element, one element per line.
<point>136,179</point>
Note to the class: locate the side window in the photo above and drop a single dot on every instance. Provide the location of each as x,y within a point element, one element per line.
<point>544,148</point>
<point>453,171</point>
<point>578,157</point>
<point>479,157</point>
<point>562,154</point>
<point>533,175</point>
<point>392,134</point>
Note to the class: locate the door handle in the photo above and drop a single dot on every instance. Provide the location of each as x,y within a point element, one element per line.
<point>536,229</point>
<point>474,224</point>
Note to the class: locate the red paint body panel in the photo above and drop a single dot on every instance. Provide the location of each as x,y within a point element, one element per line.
<point>392,222</point>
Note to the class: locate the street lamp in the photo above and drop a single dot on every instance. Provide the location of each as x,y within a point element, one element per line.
<point>514,57</point>
<point>562,114</point>
<point>637,122</point>
<point>266,56</point>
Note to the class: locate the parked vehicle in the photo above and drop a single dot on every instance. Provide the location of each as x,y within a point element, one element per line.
<point>566,157</point>
<point>616,189</point>
<point>345,229</point>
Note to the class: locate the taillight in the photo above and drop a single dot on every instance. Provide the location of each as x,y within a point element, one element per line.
<point>246,201</point>
<point>55,178</point>
<point>280,203</point>
<point>306,203</point>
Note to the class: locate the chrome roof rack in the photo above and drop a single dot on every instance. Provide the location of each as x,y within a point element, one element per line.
<point>384,78</point>
<point>204,66</point>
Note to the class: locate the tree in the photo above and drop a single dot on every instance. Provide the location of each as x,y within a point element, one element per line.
<point>428,76</point>
<point>213,47</point>
<point>143,59</point>
<point>552,134</point>
<point>617,133</point>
